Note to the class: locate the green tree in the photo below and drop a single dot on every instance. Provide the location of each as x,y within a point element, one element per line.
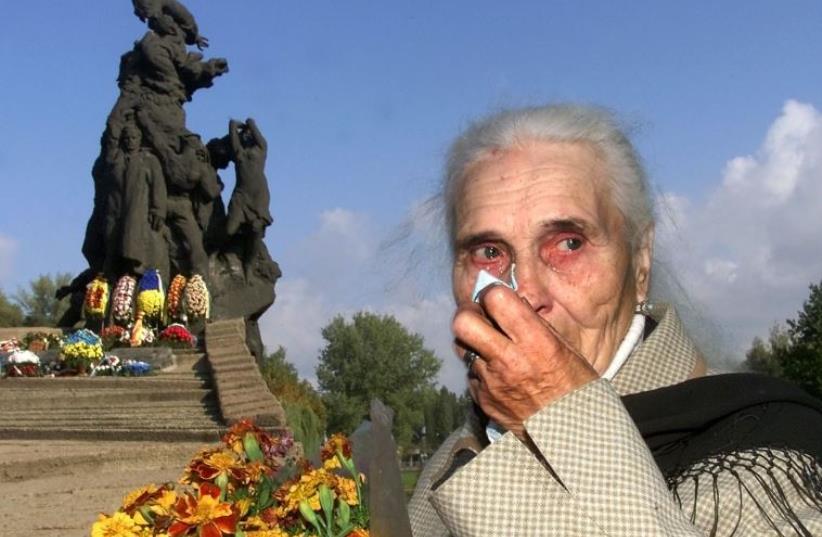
<point>803,364</point>
<point>796,353</point>
<point>40,306</point>
<point>10,313</point>
<point>375,356</point>
<point>444,412</point>
<point>303,407</point>
<point>767,357</point>
<point>806,330</point>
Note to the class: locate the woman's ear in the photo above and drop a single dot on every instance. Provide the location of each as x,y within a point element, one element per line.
<point>643,258</point>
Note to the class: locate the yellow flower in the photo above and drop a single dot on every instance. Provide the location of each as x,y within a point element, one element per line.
<point>150,302</point>
<point>130,501</point>
<point>243,505</point>
<point>117,525</point>
<point>276,532</point>
<point>347,490</point>
<point>332,464</point>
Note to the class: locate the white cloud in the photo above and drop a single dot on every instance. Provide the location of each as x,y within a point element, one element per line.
<point>341,268</point>
<point>299,313</point>
<point>8,252</point>
<point>749,252</point>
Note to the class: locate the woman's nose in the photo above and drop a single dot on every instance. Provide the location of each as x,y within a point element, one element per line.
<point>532,283</point>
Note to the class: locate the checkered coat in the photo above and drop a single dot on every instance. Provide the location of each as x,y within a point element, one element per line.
<point>601,478</point>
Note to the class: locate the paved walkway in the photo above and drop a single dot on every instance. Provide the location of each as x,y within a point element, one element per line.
<point>56,488</point>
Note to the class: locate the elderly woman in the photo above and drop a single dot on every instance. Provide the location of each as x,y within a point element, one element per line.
<point>593,414</point>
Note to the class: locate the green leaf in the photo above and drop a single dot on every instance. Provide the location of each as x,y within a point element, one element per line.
<point>222,482</point>
<point>264,498</point>
<point>252,448</point>
<point>343,513</point>
<point>310,516</point>
<point>147,514</point>
<point>327,503</point>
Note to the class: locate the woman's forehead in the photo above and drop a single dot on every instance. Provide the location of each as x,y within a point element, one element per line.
<point>541,180</point>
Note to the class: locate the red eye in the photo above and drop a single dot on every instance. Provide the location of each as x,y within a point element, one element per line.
<point>563,252</point>
<point>570,244</point>
<point>489,257</point>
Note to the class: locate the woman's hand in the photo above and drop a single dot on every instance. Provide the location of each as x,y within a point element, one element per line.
<point>524,365</point>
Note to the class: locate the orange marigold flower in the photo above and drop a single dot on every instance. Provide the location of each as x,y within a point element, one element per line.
<point>306,488</point>
<point>210,464</point>
<point>273,447</point>
<point>276,532</point>
<point>207,514</point>
<point>117,525</point>
<point>359,532</point>
<point>163,497</point>
<point>337,442</point>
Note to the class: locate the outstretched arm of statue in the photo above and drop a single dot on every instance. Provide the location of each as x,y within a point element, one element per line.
<point>256,135</point>
<point>234,137</point>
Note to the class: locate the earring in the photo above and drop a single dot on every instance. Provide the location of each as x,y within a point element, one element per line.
<point>644,308</point>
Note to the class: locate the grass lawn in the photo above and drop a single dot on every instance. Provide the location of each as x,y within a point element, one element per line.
<point>409,481</point>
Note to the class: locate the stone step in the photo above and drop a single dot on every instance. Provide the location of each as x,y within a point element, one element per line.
<point>81,412</point>
<point>227,348</point>
<point>224,331</point>
<point>239,383</point>
<point>244,395</point>
<point>188,361</point>
<point>236,369</point>
<point>218,358</point>
<point>194,351</point>
<point>53,399</point>
<point>237,410</point>
<point>156,434</point>
<point>97,383</point>
<point>127,420</point>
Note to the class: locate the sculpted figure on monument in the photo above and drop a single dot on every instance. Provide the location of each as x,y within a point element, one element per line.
<point>157,193</point>
<point>190,181</point>
<point>248,213</point>
<point>135,233</point>
<point>152,9</point>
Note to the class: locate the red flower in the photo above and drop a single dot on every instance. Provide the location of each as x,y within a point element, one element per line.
<point>207,514</point>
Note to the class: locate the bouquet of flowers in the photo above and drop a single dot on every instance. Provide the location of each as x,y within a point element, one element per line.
<point>81,349</point>
<point>150,297</point>
<point>108,366</point>
<point>122,302</point>
<point>174,300</point>
<point>246,487</point>
<point>23,364</point>
<point>111,365</point>
<point>177,336</point>
<point>114,336</point>
<point>149,307</point>
<point>96,299</point>
<point>10,345</point>
<point>135,368</point>
<point>41,341</point>
<point>196,298</point>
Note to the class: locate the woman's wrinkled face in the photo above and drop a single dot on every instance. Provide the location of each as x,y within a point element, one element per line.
<point>546,207</point>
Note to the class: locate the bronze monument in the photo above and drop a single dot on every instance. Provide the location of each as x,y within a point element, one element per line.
<point>157,193</point>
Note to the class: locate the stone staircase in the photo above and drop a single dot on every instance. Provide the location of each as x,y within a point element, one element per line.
<point>177,404</point>
<point>194,399</point>
<point>73,447</point>
<point>241,390</point>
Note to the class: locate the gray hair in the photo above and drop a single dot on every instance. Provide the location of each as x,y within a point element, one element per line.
<point>555,123</point>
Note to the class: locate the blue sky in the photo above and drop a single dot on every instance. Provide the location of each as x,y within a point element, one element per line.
<point>359,101</point>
